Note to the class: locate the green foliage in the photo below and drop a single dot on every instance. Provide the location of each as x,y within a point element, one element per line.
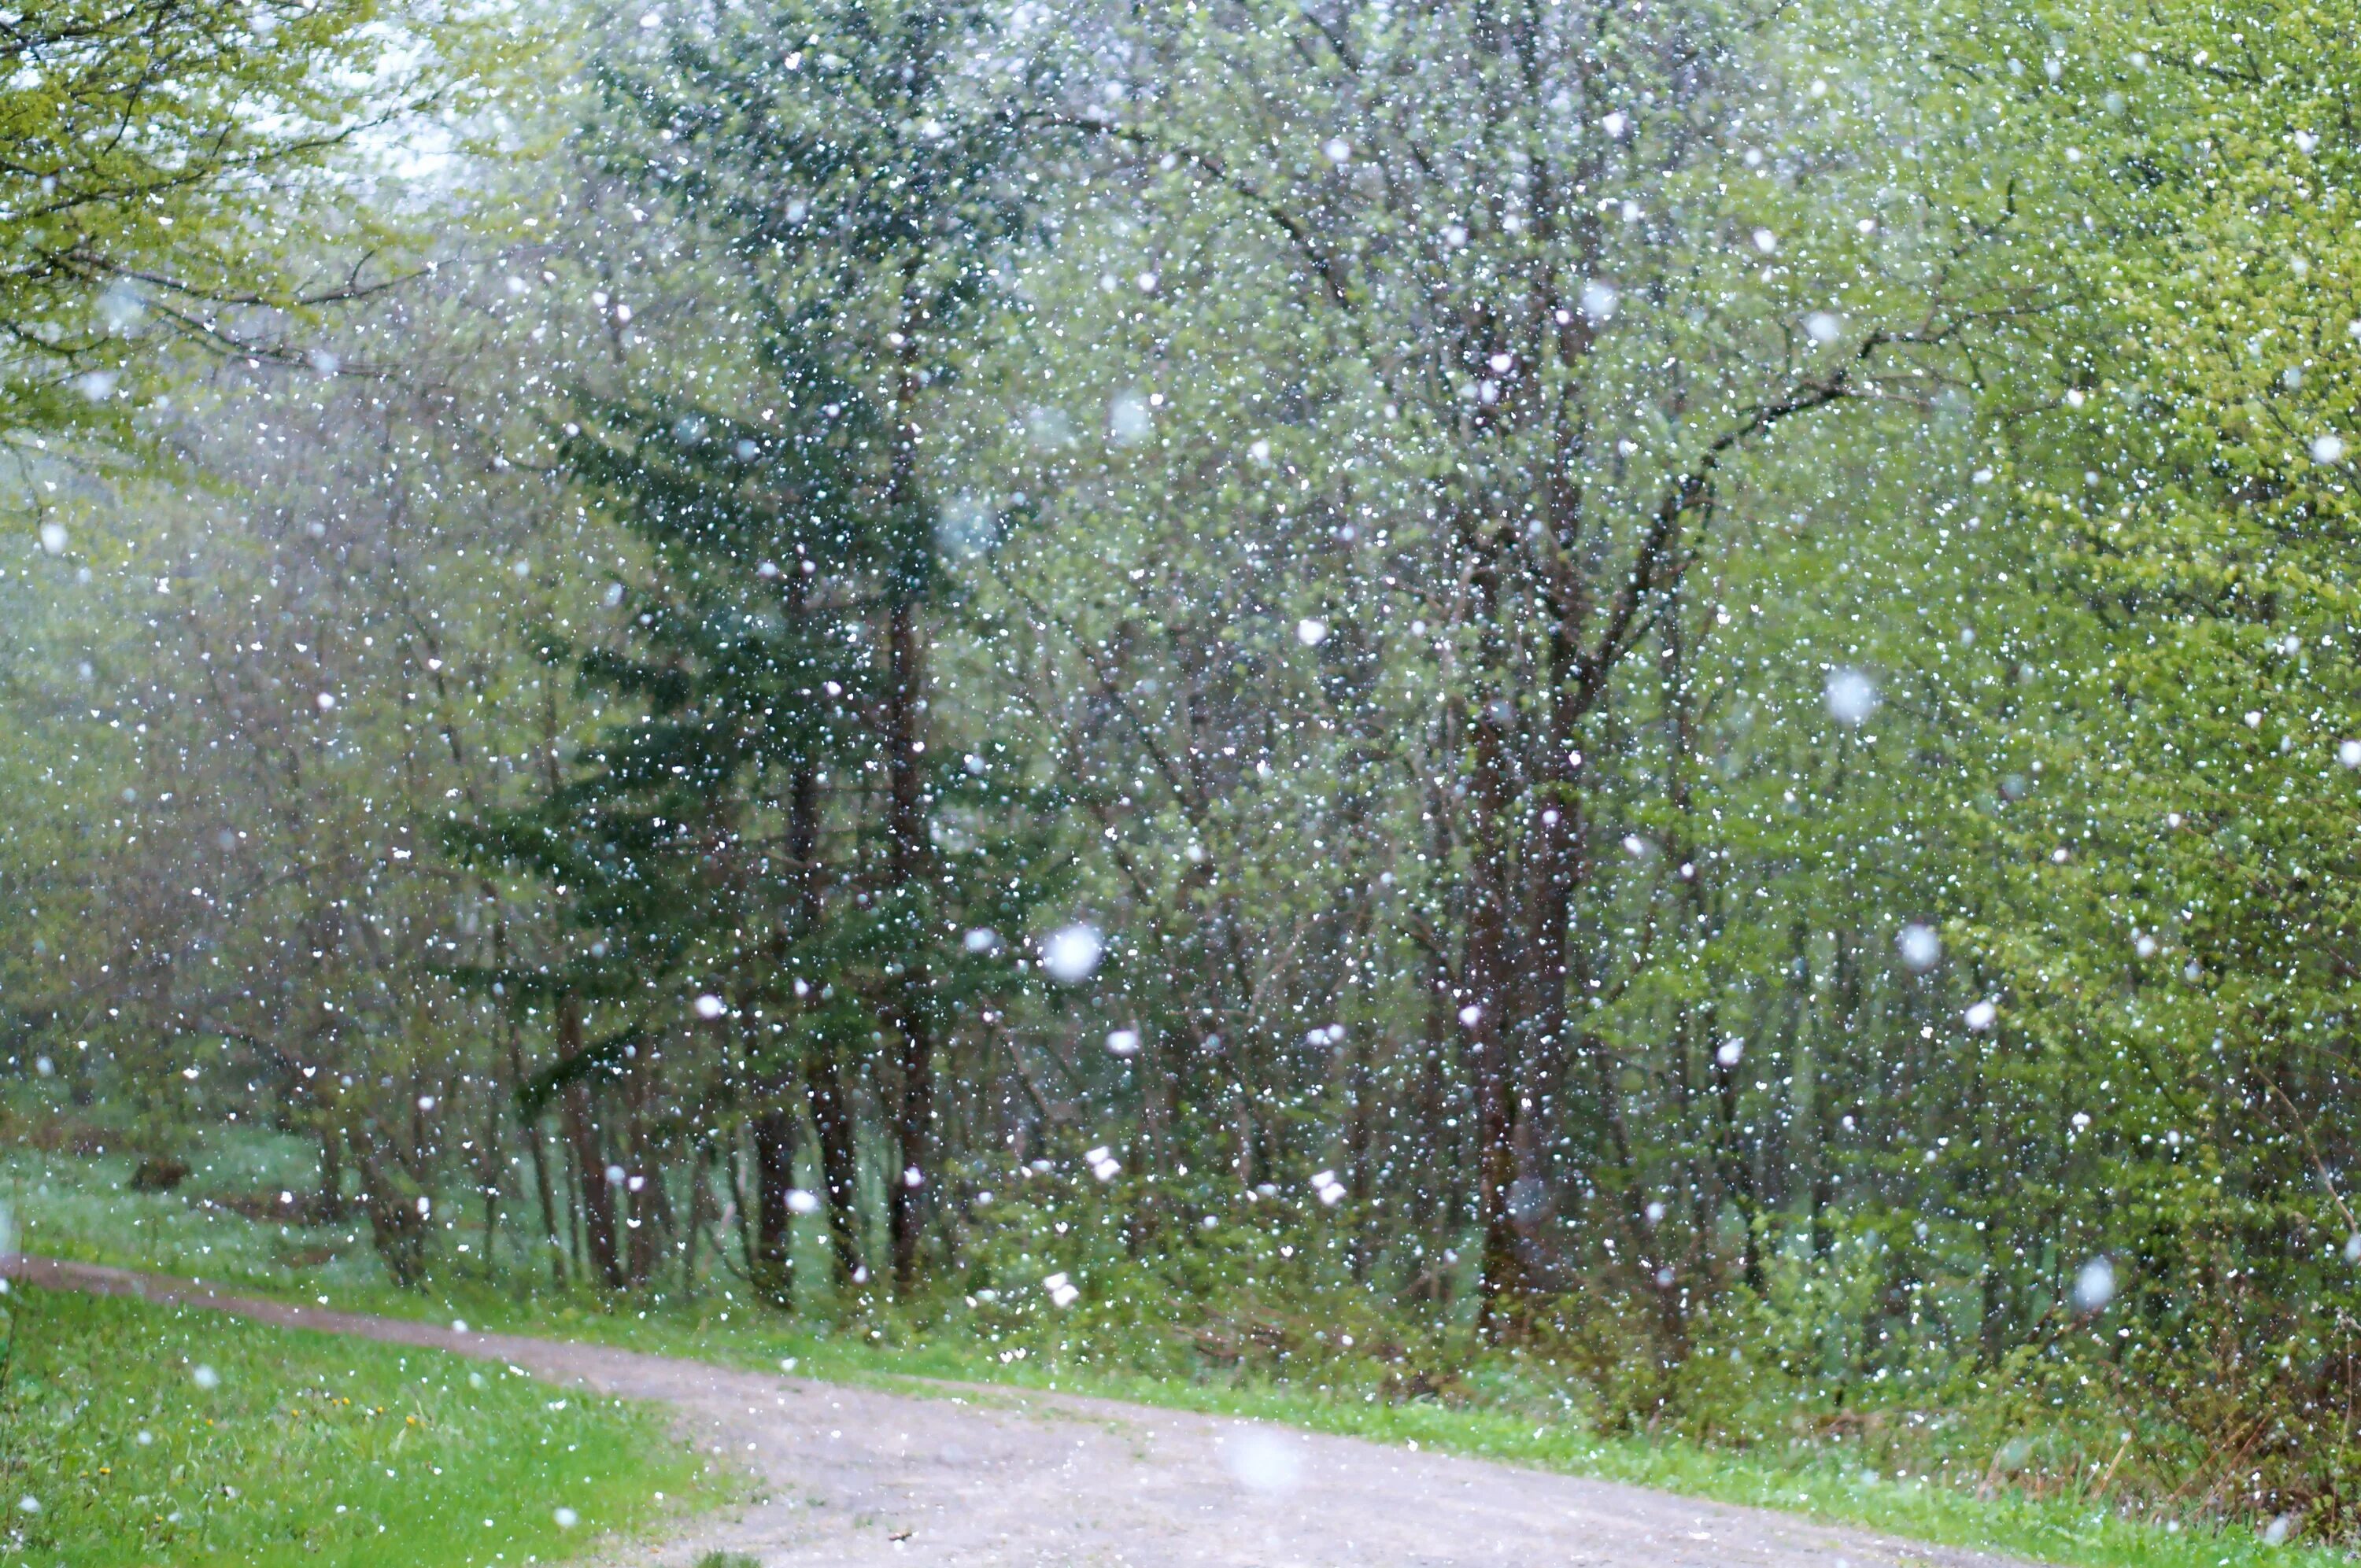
<point>2169,900</point>
<point>151,157</point>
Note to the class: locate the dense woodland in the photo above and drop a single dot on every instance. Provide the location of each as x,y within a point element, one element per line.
<point>1662,689</point>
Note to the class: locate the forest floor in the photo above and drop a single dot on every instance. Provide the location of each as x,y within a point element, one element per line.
<point>957,1474</point>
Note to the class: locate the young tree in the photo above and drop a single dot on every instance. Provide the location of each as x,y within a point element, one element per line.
<point>855,164</point>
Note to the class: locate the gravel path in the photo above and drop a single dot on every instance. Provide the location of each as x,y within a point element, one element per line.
<point>973,1477</point>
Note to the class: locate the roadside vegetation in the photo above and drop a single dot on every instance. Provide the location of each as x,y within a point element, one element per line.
<point>133,1433</point>
<point>2020,1469</point>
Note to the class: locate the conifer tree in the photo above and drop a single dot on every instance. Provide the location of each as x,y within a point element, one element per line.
<point>858,162</point>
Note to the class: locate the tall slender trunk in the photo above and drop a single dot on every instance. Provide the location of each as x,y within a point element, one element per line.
<point>1360,1154</point>
<point>910,846</point>
<point>1734,1166</point>
<point>840,1169</point>
<point>1486,992</point>
<point>536,1154</point>
<point>773,1261</point>
<point>488,1176</point>
<point>768,1233</point>
<point>596,1193</point>
<point>1438,1203</point>
<point>538,1157</point>
<point>1552,871</point>
<point>1648,1258</point>
<point>740,1207</point>
<point>1828,1113</point>
<point>644,1202</point>
<point>1155,1144</point>
<point>913,864</point>
<point>699,1155</point>
<point>571,1207</point>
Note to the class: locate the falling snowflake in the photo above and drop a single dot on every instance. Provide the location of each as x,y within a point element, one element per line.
<point>1071,954</point>
<point>1851,696</point>
<point>2094,1285</point>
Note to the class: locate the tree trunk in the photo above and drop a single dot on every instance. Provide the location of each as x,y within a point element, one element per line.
<point>767,1233</point>
<point>696,1161</point>
<point>772,1263</point>
<point>1734,1165</point>
<point>392,1196</point>
<point>598,1197</point>
<point>1437,1202</point>
<point>539,1157</point>
<point>913,863</point>
<point>488,1175</point>
<point>839,1170</point>
<point>909,843</point>
<point>643,1187</point>
<point>1485,1003</point>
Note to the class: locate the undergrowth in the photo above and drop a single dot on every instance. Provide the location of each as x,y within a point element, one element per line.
<point>2041,1456</point>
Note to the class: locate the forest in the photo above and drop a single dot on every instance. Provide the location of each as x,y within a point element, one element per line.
<point>1648,708</point>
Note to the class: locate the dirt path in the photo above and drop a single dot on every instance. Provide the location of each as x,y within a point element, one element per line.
<point>977,1476</point>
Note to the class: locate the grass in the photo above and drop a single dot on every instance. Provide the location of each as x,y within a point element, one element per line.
<point>133,1433</point>
<point>77,1216</point>
<point>82,1208</point>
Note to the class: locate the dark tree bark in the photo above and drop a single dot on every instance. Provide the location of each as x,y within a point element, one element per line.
<point>643,1193</point>
<point>909,843</point>
<point>912,852</point>
<point>1486,988</point>
<point>769,1238</point>
<point>488,1176</point>
<point>534,1153</point>
<point>839,1166</point>
<point>597,1194</point>
<point>1734,1165</point>
<point>539,1158</point>
<point>772,1263</point>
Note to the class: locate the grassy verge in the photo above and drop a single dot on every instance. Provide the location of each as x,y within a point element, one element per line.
<point>88,1216</point>
<point>132,1434</point>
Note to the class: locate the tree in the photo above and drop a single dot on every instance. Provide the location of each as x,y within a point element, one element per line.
<point>851,162</point>
<point>1581,264</point>
<point>154,153</point>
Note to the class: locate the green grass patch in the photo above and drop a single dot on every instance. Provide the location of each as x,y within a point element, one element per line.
<point>83,1209</point>
<point>133,1433</point>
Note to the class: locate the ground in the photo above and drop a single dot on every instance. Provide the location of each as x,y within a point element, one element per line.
<point>135,1433</point>
<point>971,1476</point>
